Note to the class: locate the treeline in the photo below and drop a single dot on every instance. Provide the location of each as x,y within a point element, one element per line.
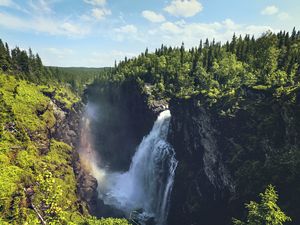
<point>78,77</point>
<point>27,65</point>
<point>217,70</point>
<point>23,64</point>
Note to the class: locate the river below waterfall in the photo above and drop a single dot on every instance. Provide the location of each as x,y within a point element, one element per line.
<point>143,192</point>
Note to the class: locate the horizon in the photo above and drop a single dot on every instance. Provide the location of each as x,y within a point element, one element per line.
<point>96,33</point>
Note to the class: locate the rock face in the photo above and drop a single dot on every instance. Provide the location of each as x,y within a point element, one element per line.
<point>202,182</point>
<point>123,118</point>
<point>86,186</point>
<point>67,123</point>
<point>224,161</point>
<point>67,129</point>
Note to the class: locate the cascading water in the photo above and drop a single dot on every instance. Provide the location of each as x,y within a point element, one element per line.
<point>145,188</point>
<point>148,183</point>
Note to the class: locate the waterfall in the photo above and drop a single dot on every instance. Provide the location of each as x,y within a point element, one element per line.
<point>146,186</point>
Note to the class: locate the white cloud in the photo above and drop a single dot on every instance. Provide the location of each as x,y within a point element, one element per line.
<point>100,13</point>
<point>270,10</point>
<point>174,33</point>
<point>127,29</point>
<point>72,29</point>
<point>128,32</point>
<point>41,6</point>
<point>273,10</point>
<point>153,17</point>
<point>284,16</point>
<point>230,25</point>
<point>7,3</point>
<point>95,2</point>
<point>12,4</point>
<point>43,25</point>
<point>170,27</point>
<point>184,8</point>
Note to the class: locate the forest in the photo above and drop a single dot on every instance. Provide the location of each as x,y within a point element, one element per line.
<point>217,76</point>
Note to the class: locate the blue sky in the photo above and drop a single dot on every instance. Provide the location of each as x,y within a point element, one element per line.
<point>95,33</point>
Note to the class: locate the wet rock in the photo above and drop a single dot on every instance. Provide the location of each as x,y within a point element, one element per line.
<point>157,106</point>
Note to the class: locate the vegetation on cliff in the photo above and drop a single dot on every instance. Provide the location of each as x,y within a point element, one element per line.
<point>37,180</point>
<point>265,212</point>
<point>36,170</point>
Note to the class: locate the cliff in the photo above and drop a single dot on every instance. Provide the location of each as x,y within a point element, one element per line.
<point>226,159</point>
<point>39,164</point>
<point>122,118</point>
<point>202,183</point>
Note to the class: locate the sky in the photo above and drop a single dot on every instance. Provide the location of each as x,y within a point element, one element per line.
<point>95,33</point>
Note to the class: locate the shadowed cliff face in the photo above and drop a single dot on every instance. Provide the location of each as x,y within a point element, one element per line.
<point>202,182</point>
<point>225,161</point>
<point>121,120</point>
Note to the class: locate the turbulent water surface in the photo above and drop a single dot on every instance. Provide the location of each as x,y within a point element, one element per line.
<point>143,191</point>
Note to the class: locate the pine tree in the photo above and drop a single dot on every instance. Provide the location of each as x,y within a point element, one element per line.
<point>4,63</point>
<point>233,43</point>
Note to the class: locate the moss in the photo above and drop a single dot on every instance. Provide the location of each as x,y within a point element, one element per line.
<point>261,87</point>
<point>49,118</point>
<point>66,96</point>
<point>2,222</point>
<point>25,102</point>
<point>10,178</point>
<point>108,221</point>
<point>4,159</point>
<point>26,115</point>
<point>27,159</point>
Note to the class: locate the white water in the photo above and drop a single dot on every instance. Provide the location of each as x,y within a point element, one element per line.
<point>148,183</point>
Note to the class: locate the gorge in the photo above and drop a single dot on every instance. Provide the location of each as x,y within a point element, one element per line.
<point>207,186</point>
<point>174,136</point>
<point>144,190</point>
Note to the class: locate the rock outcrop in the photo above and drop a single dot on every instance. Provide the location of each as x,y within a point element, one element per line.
<point>67,129</point>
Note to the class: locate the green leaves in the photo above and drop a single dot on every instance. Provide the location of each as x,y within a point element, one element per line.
<point>267,212</point>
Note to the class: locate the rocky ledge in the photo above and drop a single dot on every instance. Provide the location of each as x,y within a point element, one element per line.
<point>67,129</point>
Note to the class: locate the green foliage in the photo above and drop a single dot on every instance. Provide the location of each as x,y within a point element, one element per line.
<point>10,178</point>
<point>77,78</point>
<point>27,114</point>
<point>107,221</point>
<point>66,96</point>
<point>267,212</point>
<point>31,175</point>
<point>219,73</point>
